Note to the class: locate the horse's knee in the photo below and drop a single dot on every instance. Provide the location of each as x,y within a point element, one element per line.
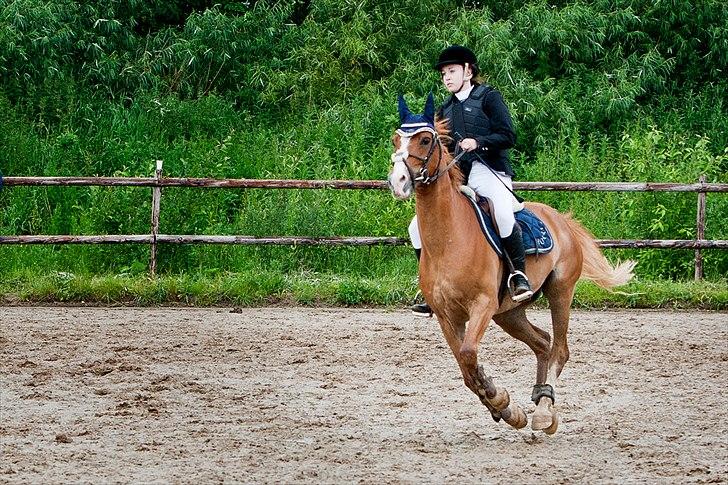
<point>468,356</point>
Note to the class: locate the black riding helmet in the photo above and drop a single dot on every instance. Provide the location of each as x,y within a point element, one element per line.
<point>457,54</point>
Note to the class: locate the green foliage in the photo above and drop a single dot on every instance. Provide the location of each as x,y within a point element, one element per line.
<point>600,90</point>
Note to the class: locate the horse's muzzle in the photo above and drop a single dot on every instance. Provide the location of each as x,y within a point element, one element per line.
<point>400,182</point>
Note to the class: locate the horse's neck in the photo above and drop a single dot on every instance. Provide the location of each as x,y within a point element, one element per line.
<point>440,216</point>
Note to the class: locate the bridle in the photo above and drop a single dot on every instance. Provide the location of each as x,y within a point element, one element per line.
<point>423,175</point>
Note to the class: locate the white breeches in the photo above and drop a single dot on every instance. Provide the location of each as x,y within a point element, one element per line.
<point>485,183</point>
<point>414,233</point>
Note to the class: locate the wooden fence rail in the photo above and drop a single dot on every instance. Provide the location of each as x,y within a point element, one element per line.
<point>158,182</point>
<point>324,241</point>
<point>343,184</point>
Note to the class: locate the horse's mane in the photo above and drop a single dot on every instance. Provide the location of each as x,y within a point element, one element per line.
<point>443,130</point>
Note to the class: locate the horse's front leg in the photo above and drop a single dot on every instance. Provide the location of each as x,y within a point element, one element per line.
<point>453,329</point>
<point>496,399</point>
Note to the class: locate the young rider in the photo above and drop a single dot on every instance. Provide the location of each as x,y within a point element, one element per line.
<point>480,124</point>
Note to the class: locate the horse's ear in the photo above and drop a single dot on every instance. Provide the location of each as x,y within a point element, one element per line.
<point>430,109</point>
<point>404,111</point>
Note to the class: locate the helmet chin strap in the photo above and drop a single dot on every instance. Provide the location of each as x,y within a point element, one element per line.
<point>462,84</point>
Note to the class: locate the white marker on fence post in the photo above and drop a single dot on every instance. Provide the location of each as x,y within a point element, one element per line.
<point>156,196</point>
<point>700,234</point>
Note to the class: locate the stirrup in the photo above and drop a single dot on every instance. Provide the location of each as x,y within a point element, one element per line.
<point>521,296</point>
<point>421,310</point>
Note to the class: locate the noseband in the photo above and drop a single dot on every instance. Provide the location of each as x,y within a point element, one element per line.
<point>424,177</point>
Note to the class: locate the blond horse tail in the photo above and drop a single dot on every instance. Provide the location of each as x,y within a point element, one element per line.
<point>596,267</point>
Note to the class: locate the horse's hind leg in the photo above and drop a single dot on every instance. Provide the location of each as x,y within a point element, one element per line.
<point>516,324</point>
<point>560,295</point>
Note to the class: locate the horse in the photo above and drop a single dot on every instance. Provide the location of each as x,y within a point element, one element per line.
<point>461,275</point>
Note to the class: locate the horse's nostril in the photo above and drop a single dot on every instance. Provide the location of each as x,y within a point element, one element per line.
<point>402,179</point>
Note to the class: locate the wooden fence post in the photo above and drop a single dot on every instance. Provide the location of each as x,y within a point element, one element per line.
<point>156,196</point>
<point>700,234</point>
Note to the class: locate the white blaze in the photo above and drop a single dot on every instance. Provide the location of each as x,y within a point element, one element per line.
<point>400,181</point>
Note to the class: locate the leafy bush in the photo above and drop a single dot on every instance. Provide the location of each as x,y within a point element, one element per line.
<point>599,90</point>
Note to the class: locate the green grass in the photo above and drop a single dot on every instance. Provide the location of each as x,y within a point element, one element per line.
<point>706,295</point>
<point>220,143</point>
<point>257,288</point>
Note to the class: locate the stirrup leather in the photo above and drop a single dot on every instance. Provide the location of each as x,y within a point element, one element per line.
<point>521,296</point>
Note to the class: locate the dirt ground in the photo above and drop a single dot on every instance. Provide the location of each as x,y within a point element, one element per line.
<point>350,395</point>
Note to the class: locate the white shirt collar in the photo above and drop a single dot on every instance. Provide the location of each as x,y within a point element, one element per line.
<point>463,94</point>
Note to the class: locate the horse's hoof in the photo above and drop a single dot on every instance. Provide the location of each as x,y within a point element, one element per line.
<point>542,419</point>
<point>515,416</point>
<point>554,424</point>
<point>501,399</point>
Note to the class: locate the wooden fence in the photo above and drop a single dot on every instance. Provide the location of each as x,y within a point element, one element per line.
<point>158,182</point>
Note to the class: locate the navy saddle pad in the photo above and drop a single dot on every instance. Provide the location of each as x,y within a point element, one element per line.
<point>536,236</point>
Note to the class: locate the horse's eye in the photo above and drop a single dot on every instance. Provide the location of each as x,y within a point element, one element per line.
<point>425,140</point>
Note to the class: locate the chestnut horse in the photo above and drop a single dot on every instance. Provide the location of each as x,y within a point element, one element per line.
<point>460,274</point>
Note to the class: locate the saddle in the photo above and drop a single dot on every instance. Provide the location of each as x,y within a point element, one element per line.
<point>537,238</point>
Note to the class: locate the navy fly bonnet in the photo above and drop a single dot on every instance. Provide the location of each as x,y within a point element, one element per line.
<point>412,123</point>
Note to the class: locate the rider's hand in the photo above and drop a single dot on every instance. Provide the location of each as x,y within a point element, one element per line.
<point>469,144</point>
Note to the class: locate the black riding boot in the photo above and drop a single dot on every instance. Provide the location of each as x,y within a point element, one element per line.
<point>420,307</point>
<point>518,283</point>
